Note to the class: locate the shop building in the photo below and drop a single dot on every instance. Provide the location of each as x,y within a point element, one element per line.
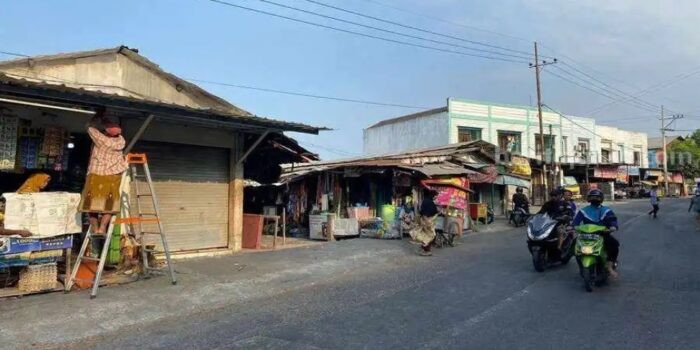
<point>200,148</point>
<point>364,196</point>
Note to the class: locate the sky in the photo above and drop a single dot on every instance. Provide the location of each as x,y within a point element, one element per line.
<point>627,45</point>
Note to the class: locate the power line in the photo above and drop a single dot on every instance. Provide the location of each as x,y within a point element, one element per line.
<point>593,90</point>
<point>416,28</point>
<point>364,34</point>
<point>572,121</point>
<point>607,91</point>
<point>437,19</point>
<point>608,85</point>
<point>294,93</point>
<point>329,149</point>
<point>657,86</point>
<point>386,30</point>
<point>13,54</point>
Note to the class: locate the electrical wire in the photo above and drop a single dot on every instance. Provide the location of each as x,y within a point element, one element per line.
<point>389,31</point>
<point>593,90</point>
<point>364,34</point>
<point>294,93</point>
<point>607,91</point>
<point>329,149</point>
<point>441,20</point>
<point>528,54</point>
<point>13,54</point>
<point>572,121</point>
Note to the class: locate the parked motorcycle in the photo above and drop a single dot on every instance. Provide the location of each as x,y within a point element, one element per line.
<point>519,216</point>
<point>544,234</point>
<point>591,255</point>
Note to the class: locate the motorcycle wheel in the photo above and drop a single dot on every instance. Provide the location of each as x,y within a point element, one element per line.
<point>539,260</point>
<point>589,278</point>
<point>439,240</point>
<point>452,232</point>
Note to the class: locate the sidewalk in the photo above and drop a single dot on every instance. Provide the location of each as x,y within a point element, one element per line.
<point>203,284</point>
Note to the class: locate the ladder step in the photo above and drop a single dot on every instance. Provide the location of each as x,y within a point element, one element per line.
<point>89,258</point>
<point>151,233</point>
<point>145,195</point>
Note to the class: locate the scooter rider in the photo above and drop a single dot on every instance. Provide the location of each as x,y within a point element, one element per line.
<point>598,214</point>
<point>520,200</point>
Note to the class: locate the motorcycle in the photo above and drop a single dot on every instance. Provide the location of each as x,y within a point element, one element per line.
<point>544,235</point>
<point>591,255</point>
<point>519,216</point>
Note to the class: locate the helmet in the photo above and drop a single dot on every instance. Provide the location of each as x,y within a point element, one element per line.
<point>519,190</point>
<point>556,192</point>
<point>595,193</point>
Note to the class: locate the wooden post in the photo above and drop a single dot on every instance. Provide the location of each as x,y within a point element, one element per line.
<point>235,201</point>
<point>284,225</point>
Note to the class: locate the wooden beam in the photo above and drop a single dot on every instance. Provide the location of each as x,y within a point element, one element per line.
<point>253,147</point>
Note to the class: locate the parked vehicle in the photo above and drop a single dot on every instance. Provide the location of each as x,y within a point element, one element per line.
<point>620,194</point>
<point>543,233</point>
<point>489,216</point>
<point>591,255</point>
<point>519,216</point>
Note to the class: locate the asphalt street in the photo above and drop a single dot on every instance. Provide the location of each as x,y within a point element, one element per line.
<point>482,294</point>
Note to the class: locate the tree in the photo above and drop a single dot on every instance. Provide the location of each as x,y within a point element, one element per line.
<point>685,155</point>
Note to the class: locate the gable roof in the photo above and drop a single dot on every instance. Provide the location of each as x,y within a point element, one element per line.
<point>133,55</point>
<point>657,142</point>
<point>409,117</point>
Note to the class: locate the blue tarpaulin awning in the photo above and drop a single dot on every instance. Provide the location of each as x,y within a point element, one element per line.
<point>511,180</point>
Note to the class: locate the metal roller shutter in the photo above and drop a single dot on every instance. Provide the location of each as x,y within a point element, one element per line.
<point>191,183</point>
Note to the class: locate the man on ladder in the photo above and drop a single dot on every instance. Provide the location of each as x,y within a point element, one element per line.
<point>103,195</point>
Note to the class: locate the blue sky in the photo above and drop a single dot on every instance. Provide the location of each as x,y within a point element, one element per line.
<point>627,44</point>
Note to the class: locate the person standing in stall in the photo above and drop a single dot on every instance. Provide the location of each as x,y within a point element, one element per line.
<point>101,195</point>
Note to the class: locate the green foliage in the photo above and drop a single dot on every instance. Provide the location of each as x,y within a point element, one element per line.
<point>685,155</point>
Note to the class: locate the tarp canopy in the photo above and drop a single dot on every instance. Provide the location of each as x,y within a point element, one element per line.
<point>511,180</point>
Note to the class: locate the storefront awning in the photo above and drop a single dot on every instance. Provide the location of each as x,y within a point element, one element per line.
<point>511,180</point>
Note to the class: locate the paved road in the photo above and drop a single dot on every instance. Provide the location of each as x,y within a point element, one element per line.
<point>482,294</point>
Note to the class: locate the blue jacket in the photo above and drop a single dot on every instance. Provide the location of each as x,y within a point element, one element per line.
<point>601,215</point>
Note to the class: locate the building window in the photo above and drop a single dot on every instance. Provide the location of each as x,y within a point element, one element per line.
<point>604,155</point>
<point>565,146</point>
<point>549,154</point>
<point>509,141</point>
<point>582,149</point>
<point>621,153</point>
<point>465,134</point>
<point>637,158</point>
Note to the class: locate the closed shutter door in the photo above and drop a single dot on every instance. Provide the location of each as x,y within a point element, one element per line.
<point>191,183</point>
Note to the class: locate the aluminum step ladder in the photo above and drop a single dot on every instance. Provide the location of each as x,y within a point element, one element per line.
<point>134,161</point>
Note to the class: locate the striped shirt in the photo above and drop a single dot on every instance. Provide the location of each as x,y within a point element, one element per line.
<point>106,157</point>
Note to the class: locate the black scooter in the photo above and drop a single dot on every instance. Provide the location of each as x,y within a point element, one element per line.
<point>518,216</point>
<point>543,234</point>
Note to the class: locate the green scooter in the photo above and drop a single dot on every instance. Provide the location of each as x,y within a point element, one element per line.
<point>591,255</point>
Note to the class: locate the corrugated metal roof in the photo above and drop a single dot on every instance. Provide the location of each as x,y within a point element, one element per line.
<point>65,95</point>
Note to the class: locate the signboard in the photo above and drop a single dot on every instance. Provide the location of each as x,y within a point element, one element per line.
<point>10,245</point>
<point>452,192</point>
<point>520,166</point>
<point>622,174</point>
<point>633,170</point>
<point>605,172</point>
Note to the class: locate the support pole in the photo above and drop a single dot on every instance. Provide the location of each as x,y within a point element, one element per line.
<point>138,134</point>
<point>252,148</point>
<point>663,141</point>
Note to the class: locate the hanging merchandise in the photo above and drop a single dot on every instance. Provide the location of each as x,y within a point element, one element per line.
<point>29,152</point>
<point>52,146</point>
<point>8,142</point>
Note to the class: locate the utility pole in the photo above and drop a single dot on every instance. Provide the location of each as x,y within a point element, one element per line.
<point>538,66</point>
<point>664,128</point>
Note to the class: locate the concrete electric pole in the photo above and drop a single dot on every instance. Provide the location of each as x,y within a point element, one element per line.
<point>538,67</point>
<point>664,128</point>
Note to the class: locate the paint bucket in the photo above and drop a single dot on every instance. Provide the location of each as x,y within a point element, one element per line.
<point>388,213</point>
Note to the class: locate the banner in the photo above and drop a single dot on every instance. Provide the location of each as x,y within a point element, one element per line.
<point>520,166</point>
<point>622,174</point>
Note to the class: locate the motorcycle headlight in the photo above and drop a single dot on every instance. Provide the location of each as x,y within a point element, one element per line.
<point>529,233</point>
<point>587,250</point>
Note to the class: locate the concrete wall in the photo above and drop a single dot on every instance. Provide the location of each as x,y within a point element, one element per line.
<point>491,119</point>
<point>417,133</point>
<point>624,144</point>
<point>111,73</point>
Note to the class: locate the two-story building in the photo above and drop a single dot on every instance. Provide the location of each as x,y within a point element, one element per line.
<point>571,143</point>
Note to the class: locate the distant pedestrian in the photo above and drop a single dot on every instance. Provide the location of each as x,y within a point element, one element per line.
<point>695,204</point>
<point>425,230</point>
<point>654,199</point>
